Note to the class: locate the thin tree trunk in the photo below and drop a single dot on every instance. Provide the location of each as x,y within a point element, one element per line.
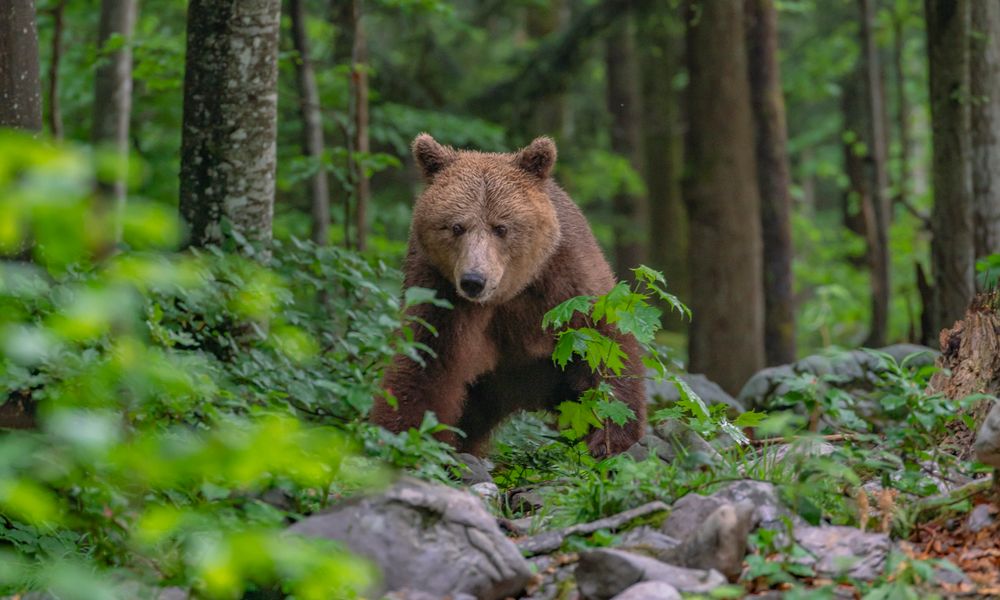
<point>230,123</point>
<point>55,113</point>
<point>903,114</point>
<point>661,51</point>
<point>773,179</point>
<point>877,175</point>
<point>727,333</point>
<point>113,94</point>
<point>313,145</point>
<point>20,86</point>
<point>626,140</point>
<point>985,123</point>
<point>952,251</point>
<point>359,96</point>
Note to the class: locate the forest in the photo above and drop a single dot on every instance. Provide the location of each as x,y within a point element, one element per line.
<point>490,299</point>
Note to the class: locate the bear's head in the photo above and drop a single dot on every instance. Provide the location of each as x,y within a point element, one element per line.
<point>485,220</point>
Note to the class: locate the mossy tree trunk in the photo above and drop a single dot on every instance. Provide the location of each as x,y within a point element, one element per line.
<point>230,122</point>
<point>113,94</point>
<point>630,211</point>
<point>721,193</point>
<point>20,86</point>
<point>952,252</point>
<point>661,53</point>
<point>773,180</point>
<point>877,175</point>
<point>985,126</point>
<point>313,143</point>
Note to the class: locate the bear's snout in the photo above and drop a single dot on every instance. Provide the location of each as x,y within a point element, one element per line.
<point>472,284</point>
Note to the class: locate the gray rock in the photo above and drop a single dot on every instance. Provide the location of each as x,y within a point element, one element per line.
<point>665,393</point>
<point>604,573</point>
<point>650,590</point>
<point>477,470</point>
<point>408,594</point>
<point>487,490</point>
<point>426,537</point>
<point>554,577</point>
<point>980,518</point>
<point>692,510</point>
<point>684,438</point>
<point>652,543</point>
<point>987,445</point>
<point>838,551</point>
<point>720,542</point>
<point>798,451</point>
<point>526,501</point>
<point>849,370</point>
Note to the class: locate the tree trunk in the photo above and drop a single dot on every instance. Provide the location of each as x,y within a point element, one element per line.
<point>313,145</point>
<point>878,177</point>
<point>55,113</point>
<point>661,58</point>
<point>773,180</point>
<point>727,333</point>
<point>903,112</point>
<point>626,140</point>
<point>20,87</point>
<point>952,253</point>
<point>230,122</point>
<point>359,111</point>
<point>970,364</point>
<point>113,95</point>
<point>985,119</point>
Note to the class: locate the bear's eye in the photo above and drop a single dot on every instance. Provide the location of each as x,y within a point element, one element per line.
<point>500,230</point>
<point>457,229</point>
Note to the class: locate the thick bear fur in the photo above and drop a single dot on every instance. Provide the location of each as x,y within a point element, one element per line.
<point>502,220</point>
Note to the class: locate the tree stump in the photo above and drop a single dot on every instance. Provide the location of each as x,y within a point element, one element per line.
<point>970,364</point>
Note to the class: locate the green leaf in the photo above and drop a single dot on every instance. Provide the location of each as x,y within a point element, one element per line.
<point>750,418</point>
<point>619,299</point>
<point>613,409</point>
<point>642,321</point>
<point>563,313</point>
<point>576,419</point>
<point>644,273</point>
<point>689,399</point>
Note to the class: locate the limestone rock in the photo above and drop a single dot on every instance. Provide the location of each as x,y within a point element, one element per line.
<point>426,537</point>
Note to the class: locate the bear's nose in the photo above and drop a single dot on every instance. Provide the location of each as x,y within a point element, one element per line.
<point>472,284</point>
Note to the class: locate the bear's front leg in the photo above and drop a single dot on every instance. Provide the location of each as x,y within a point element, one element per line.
<point>418,389</point>
<point>629,388</point>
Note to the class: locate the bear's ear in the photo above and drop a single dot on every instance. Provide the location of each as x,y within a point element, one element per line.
<point>538,157</point>
<point>431,156</point>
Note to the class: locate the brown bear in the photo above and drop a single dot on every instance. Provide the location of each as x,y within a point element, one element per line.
<point>497,237</point>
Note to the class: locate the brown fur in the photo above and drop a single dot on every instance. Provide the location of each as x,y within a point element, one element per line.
<point>493,358</point>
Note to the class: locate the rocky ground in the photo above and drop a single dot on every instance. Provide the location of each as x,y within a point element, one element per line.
<point>737,536</point>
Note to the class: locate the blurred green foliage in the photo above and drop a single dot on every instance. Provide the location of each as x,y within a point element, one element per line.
<point>168,395</point>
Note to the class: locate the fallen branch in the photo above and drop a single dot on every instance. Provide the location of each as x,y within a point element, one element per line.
<point>551,541</point>
<point>955,496</point>
<point>837,437</point>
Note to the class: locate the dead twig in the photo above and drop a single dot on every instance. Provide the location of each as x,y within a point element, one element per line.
<point>551,541</point>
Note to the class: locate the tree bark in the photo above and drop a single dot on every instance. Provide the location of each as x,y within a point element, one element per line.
<point>55,113</point>
<point>359,110</point>
<point>725,253</point>
<point>985,125</point>
<point>313,144</point>
<point>877,175</point>
<point>661,59</point>
<point>113,94</point>
<point>20,86</point>
<point>626,140</point>
<point>952,252</point>
<point>230,122</point>
<point>773,180</point>
<point>903,112</point>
